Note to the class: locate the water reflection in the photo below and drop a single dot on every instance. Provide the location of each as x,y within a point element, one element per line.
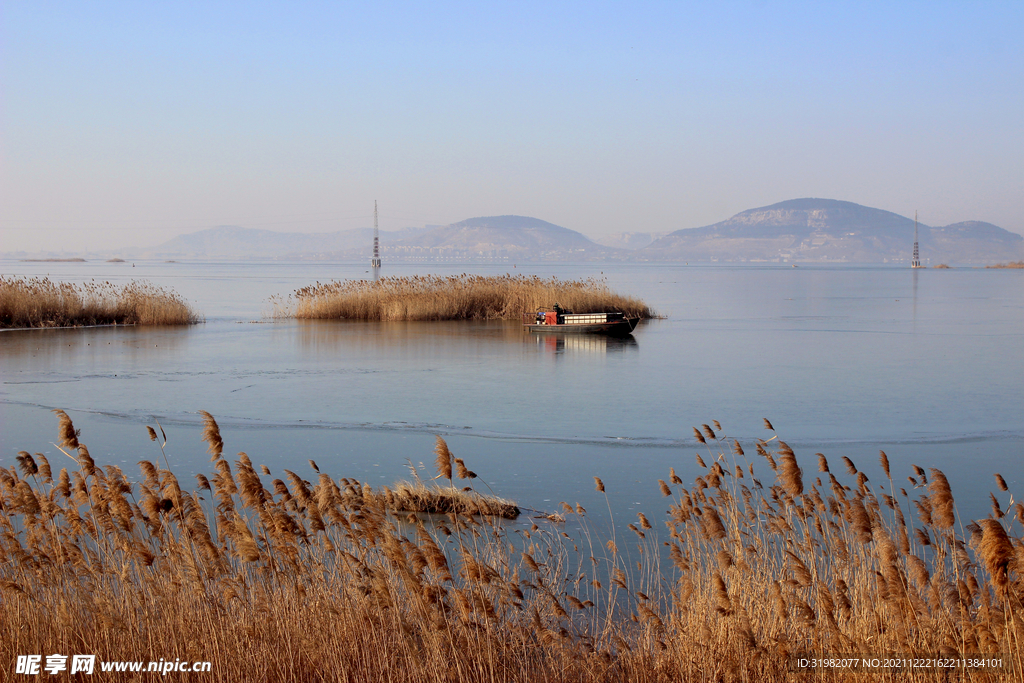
<point>915,271</point>
<point>447,337</point>
<point>584,343</point>
<point>83,347</point>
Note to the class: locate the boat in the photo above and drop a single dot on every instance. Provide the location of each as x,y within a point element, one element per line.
<point>560,322</point>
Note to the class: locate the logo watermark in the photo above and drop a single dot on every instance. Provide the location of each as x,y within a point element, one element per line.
<point>33,665</point>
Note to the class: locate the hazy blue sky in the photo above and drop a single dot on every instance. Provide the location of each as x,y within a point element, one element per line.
<point>127,123</point>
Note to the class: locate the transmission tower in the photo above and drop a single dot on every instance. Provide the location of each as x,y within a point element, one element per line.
<point>916,262</point>
<point>375,261</point>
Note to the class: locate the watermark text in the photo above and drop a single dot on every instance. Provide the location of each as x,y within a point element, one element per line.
<point>33,665</point>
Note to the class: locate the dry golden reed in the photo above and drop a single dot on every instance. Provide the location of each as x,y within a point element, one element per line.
<point>40,302</point>
<point>419,497</point>
<point>455,297</point>
<point>443,458</point>
<point>284,579</point>
<point>211,435</point>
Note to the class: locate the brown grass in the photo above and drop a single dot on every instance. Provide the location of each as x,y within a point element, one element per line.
<point>40,302</point>
<point>438,500</point>
<point>1012,264</point>
<point>457,297</point>
<point>293,580</point>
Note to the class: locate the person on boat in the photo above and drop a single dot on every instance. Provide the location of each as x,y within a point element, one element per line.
<point>558,313</point>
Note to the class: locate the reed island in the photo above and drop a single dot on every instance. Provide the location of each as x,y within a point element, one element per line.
<point>757,570</point>
<point>41,302</point>
<point>455,297</point>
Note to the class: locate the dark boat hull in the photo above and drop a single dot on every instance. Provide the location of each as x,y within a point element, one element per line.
<point>615,328</point>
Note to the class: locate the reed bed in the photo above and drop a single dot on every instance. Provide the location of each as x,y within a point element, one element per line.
<point>40,302</point>
<point>432,498</point>
<point>419,497</point>
<point>284,579</point>
<point>456,297</point>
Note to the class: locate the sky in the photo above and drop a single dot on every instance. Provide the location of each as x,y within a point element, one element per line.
<point>125,124</point>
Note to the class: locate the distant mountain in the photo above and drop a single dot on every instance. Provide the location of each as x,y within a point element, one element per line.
<point>832,230</point>
<point>234,242</point>
<point>501,237</point>
<point>485,238</point>
<point>630,240</point>
<point>821,230</point>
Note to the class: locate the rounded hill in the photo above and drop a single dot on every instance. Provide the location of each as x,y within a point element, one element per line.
<point>814,229</point>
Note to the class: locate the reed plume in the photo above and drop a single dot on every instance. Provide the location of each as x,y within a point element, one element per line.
<point>211,435</point>
<point>67,435</point>
<point>941,500</point>
<point>443,459</point>
<point>996,551</point>
<point>791,475</point>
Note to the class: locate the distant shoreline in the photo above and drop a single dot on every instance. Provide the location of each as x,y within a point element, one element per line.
<point>52,260</point>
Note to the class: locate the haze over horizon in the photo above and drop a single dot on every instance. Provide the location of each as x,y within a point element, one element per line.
<point>125,124</point>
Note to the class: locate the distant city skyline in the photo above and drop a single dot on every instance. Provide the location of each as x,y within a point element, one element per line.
<point>125,124</point>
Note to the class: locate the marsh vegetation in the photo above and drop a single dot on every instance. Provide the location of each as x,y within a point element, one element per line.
<point>456,297</point>
<point>53,260</point>
<point>274,576</point>
<point>41,302</point>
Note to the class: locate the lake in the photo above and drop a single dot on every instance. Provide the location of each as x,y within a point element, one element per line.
<point>844,360</point>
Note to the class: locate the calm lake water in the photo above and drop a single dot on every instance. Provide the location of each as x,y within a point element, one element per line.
<point>844,360</point>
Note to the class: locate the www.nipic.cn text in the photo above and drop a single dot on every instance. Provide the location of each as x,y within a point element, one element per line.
<point>32,665</point>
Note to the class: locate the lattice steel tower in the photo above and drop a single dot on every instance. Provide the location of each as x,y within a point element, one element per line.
<point>916,262</point>
<point>375,261</point>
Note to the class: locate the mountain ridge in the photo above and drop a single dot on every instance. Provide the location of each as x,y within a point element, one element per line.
<point>233,241</point>
<point>502,236</point>
<point>830,230</point>
<point>804,229</point>
<point>489,238</point>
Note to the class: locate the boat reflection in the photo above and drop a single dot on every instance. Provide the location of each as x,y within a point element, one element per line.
<point>456,338</point>
<point>584,343</point>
